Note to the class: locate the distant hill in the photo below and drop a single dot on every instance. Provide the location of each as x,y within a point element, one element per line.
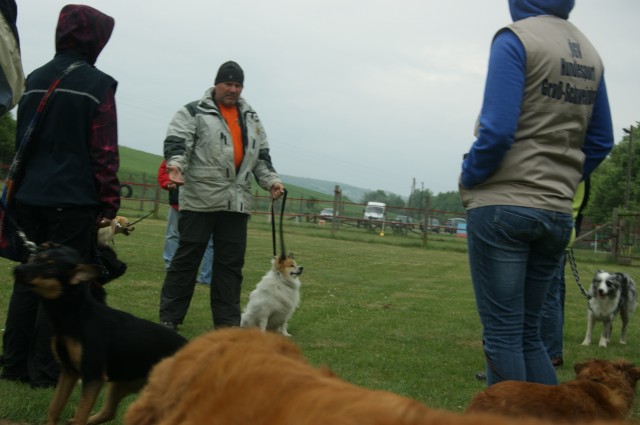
<point>142,167</point>
<point>355,194</point>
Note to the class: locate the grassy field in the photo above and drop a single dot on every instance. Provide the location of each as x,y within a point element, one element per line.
<point>381,312</point>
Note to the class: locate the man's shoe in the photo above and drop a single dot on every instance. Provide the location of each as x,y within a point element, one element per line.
<point>170,325</point>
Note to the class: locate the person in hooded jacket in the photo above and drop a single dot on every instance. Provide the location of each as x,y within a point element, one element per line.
<point>545,125</point>
<point>69,186</point>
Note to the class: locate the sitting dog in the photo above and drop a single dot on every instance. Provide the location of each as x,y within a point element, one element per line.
<point>118,225</point>
<point>602,389</point>
<point>610,293</point>
<point>91,341</point>
<point>275,298</point>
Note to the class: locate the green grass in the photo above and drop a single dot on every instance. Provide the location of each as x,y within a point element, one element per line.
<point>381,311</point>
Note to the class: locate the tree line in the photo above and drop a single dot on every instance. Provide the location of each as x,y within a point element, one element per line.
<point>616,178</point>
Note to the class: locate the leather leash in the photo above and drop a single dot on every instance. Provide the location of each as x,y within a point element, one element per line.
<point>273,226</point>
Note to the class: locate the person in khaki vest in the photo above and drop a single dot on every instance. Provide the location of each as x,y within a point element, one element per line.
<point>545,125</point>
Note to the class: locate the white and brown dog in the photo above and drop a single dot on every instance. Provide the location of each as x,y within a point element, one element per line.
<point>120,225</point>
<point>611,293</point>
<point>275,298</point>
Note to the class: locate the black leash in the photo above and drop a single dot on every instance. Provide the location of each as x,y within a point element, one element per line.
<point>140,219</point>
<point>273,227</point>
<point>576,275</point>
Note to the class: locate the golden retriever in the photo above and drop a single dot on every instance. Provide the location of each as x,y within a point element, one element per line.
<point>602,389</point>
<point>247,376</point>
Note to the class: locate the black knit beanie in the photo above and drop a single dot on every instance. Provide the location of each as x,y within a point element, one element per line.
<point>230,72</point>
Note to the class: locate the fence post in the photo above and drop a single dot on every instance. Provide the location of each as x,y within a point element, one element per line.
<point>427,221</point>
<point>615,235</point>
<point>337,199</point>
<point>156,205</point>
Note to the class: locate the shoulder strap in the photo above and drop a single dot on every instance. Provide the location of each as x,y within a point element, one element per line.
<point>16,164</point>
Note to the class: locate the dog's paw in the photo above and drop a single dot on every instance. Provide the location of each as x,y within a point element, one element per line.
<point>586,342</point>
<point>603,343</point>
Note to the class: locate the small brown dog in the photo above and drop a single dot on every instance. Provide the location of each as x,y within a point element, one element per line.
<point>602,389</point>
<point>120,225</point>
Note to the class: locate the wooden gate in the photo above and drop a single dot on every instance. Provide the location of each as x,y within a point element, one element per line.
<point>625,236</point>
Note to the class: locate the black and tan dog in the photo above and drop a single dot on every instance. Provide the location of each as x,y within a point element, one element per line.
<point>92,342</point>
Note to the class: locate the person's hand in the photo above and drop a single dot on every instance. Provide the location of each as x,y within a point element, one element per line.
<point>175,175</point>
<point>276,190</point>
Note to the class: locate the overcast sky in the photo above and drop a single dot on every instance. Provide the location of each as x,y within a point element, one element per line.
<point>369,93</point>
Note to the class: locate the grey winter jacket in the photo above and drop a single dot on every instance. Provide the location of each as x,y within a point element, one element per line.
<point>199,143</point>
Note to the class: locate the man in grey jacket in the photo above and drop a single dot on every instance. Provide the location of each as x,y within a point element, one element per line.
<point>213,147</point>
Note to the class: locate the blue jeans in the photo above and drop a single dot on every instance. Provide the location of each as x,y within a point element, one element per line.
<point>171,237</point>
<point>206,265</point>
<point>171,240</point>
<point>513,254</point>
<point>552,318</point>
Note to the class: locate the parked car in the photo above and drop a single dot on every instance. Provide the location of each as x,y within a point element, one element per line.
<point>402,223</point>
<point>434,225</point>
<point>403,220</point>
<point>451,225</point>
<point>326,214</point>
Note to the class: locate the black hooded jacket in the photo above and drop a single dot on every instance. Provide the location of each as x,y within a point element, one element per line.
<point>72,159</point>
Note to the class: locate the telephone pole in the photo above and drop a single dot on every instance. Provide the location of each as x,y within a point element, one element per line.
<point>627,193</point>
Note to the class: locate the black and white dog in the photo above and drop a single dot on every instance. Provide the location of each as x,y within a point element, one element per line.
<point>611,293</point>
